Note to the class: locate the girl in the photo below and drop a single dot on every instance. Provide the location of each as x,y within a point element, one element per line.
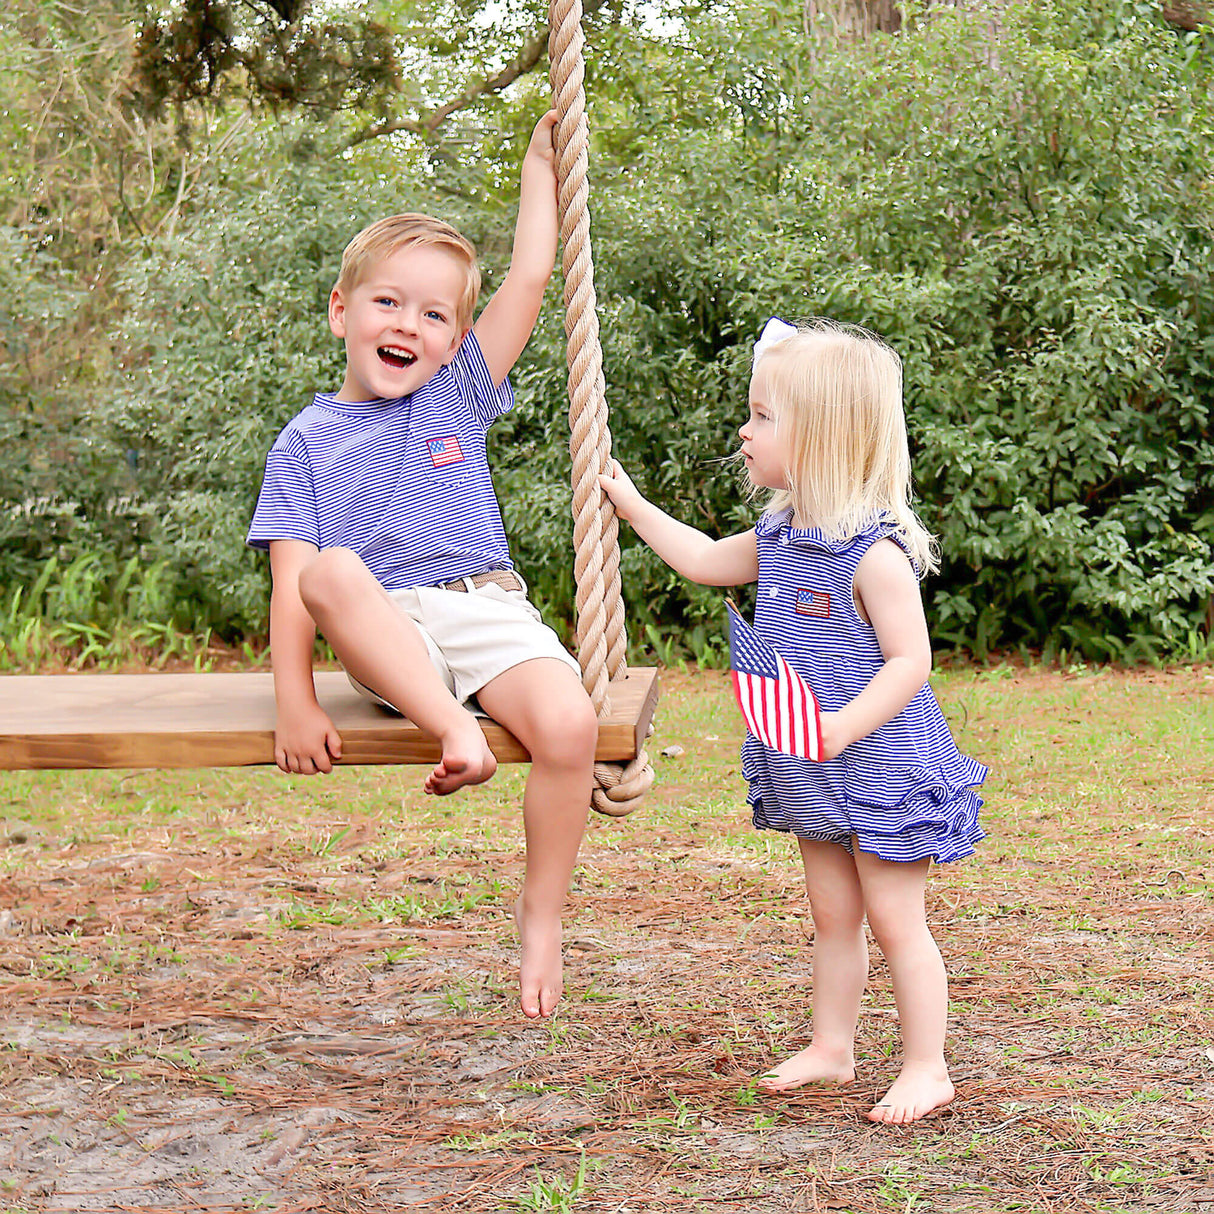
<point>838,554</point>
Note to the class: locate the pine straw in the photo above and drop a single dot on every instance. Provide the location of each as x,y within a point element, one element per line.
<point>222,1018</point>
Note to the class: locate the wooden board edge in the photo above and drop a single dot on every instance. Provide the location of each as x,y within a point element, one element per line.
<point>649,705</point>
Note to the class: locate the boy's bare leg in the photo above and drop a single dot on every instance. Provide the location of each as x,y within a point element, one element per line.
<point>542,702</point>
<point>382,648</point>
<point>839,974</point>
<point>893,897</point>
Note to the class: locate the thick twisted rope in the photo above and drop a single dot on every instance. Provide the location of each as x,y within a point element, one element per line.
<point>601,637</point>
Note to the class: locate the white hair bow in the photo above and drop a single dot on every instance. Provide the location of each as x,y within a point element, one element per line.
<point>773,331</point>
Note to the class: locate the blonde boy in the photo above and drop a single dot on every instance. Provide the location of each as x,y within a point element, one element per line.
<point>384,532</point>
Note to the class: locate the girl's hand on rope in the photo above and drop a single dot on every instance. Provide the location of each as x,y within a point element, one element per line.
<point>618,486</point>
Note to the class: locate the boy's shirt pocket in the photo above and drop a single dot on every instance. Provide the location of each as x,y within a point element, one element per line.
<point>447,464</point>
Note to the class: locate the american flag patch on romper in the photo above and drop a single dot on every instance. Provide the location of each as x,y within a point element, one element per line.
<point>813,602</point>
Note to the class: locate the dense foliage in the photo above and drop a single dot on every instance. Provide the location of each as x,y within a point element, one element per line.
<point>1023,207</point>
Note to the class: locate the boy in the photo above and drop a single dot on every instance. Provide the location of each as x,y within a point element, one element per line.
<point>384,532</point>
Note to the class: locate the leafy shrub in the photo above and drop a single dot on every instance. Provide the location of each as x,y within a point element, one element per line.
<point>1025,212</point>
<point>1027,218</point>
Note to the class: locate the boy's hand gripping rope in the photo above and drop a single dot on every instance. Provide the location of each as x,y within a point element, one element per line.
<point>601,639</point>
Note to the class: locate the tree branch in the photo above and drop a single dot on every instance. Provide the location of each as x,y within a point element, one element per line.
<point>529,55</point>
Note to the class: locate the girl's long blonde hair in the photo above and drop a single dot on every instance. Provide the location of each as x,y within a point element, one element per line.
<point>836,392</point>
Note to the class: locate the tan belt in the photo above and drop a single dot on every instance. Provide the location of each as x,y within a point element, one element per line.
<point>505,578</point>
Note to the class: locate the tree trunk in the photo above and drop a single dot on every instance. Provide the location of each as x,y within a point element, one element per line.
<point>1188,14</point>
<point>885,16</point>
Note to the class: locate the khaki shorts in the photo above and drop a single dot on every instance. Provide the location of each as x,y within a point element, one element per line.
<point>474,635</point>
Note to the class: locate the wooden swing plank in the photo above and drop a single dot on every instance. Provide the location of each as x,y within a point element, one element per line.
<point>227,720</point>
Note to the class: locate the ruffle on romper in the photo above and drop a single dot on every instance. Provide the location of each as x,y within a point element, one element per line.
<point>899,814</point>
<point>917,812</point>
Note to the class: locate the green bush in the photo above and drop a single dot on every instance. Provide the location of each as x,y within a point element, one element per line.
<point>1025,213</point>
<point>1028,219</point>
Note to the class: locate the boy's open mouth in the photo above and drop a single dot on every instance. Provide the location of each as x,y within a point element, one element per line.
<point>394,356</point>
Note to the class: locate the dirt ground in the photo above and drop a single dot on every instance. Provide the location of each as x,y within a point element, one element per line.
<point>216,998</point>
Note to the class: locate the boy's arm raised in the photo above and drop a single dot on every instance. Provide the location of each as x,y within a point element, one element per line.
<point>305,740</point>
<point>732,561</point>
<point>505,324</point>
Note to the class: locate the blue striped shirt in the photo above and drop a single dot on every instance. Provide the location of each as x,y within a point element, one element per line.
<point>405,483</point>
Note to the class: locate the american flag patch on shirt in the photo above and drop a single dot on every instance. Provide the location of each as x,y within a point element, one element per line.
<point>813,602</point>
<point>778,705</point>
<point>444,451</point>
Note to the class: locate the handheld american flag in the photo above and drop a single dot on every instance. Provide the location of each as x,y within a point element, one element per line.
<point>779,706</point>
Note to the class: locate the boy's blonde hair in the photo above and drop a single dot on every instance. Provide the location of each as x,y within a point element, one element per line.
<point>836,392</point>
<point>387,236</point>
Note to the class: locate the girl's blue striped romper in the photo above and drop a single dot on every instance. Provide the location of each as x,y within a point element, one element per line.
<point>905,792</point>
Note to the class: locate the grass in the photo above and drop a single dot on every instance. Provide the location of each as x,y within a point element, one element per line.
<point>280,948</point>
<point>95,612</point>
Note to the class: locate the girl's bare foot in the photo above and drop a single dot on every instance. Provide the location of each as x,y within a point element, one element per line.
<point>466,759</point>
<point>917,1091</point>
<point>814,1064</point>
<point>540,977</point>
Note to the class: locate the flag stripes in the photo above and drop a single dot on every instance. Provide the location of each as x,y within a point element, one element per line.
<point>779,707</point>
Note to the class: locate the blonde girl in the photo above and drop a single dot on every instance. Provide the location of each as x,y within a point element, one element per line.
<point>838,553</point>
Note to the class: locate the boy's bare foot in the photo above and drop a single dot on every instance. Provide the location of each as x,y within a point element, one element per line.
<point>466,759</point>
<point>917,1091</point>
<point>540,968</point>
<point>814,1064</point>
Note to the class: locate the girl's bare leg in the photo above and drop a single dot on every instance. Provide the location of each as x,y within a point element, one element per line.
<point>542,702</point>
<point>894,900</point>
<point>382,648</point>
<point>840,971</point>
